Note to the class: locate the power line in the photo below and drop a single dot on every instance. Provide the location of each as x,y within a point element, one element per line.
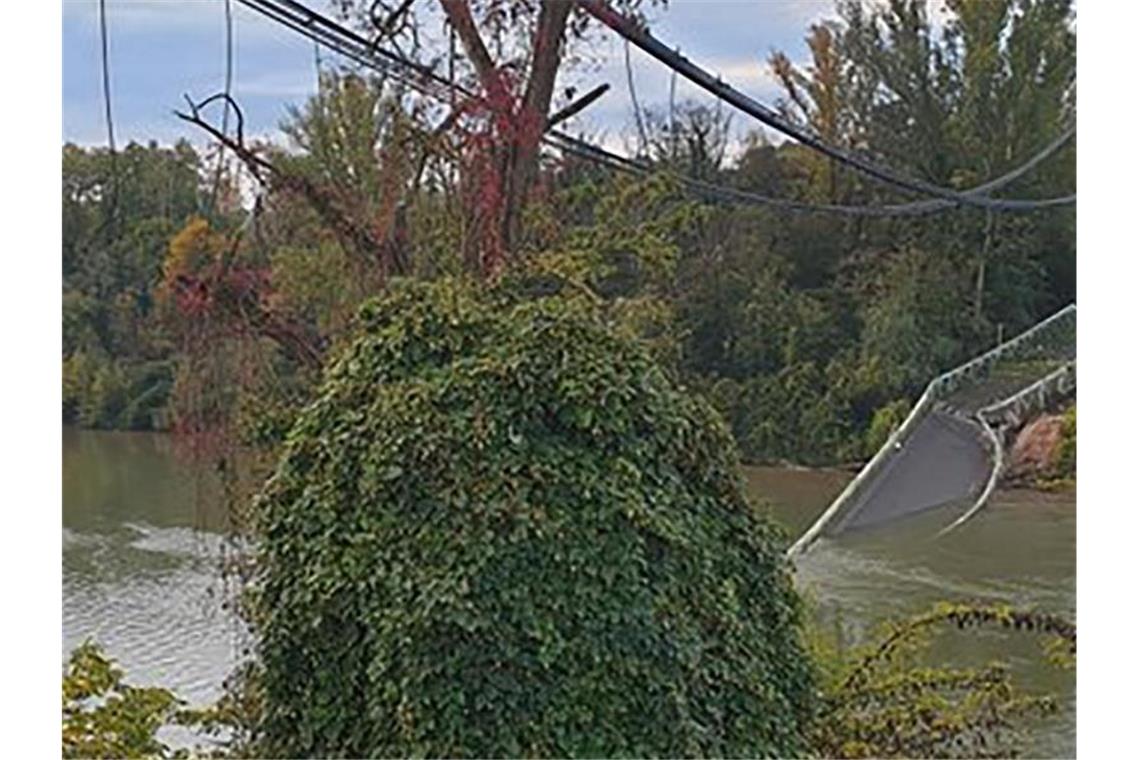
<point>103,37</point>
<point>323,30</point>
<point>108,116</point>
<point>229,76</point>
<point>724,92</point>
<point>320,28</point>
<point>714,192</point>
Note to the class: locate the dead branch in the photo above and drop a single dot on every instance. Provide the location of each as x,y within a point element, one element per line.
<point>354,236</point>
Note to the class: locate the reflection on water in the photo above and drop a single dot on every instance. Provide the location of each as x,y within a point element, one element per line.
<point>141,547</point>
<point>139,571</point>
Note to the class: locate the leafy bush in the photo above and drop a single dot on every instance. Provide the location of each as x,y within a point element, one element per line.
<point>501,529</point>
<point>1066,463</point>
<point>884,422</point>
<point>104,717</point>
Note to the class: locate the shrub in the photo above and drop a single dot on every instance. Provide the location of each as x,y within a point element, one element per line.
<point>885,421</point>
<point>501,529</point>
<point>1065,465</point>
<point>886,699</point>
<point>104,717</point>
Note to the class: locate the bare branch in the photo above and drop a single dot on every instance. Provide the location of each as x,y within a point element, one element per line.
<point>355,237</point>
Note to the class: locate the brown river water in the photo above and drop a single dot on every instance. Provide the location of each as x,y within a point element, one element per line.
<point>141,552</point>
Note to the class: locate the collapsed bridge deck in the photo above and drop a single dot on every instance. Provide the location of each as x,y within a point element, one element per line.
<point>949,450</point>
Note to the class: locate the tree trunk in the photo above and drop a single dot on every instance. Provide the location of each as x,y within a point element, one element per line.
<point>517,163</point>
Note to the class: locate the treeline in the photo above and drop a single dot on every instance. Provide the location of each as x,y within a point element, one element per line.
<point>811,332</point>
<point>119,215</point>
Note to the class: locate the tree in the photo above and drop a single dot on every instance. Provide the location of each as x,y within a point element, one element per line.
<point>691,139</point>
<point>513,51</point>
<point>995,89</point>
<point>356,140</point>
<point>502,530</point>
<point>817,99</point>
<point>116,355</point>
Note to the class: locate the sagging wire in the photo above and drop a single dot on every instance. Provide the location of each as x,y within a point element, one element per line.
<point>105,45</point>
<point>632,32</point>
<point>228,86</point>
<point>673,116</point>
<point>422,79</point>
<point>633,102</point>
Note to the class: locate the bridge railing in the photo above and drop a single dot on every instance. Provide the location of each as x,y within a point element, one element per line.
<point>1016,410</point>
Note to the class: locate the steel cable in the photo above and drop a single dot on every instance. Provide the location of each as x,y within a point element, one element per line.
<point>108,116</point>
<point>323,30</point>
<point>625,27</point>
<point>228,85</point>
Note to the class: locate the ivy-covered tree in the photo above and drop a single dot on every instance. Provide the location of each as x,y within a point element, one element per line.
<point>501,529</point>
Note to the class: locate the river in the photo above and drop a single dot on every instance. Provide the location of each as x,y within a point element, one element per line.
<point>141,549</point>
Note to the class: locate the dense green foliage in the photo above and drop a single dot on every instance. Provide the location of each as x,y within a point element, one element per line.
<point>501,529</point>
<point>800,328</point>
<point>503,525</point>
<point>1066,466</point>
<point>118,366</point>
<point>1062,470</point>
<point>105,717</point>
<point>829,319</point>
<point>888,697</point>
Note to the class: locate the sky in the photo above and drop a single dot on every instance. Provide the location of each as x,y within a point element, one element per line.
<point>160,49</point>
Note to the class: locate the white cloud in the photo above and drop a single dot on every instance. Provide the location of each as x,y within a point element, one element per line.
<point>744,73</point>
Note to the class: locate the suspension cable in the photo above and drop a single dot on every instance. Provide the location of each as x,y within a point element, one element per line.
<point>323,30</point>
<point>107,114</point>
<point>633,102</point>
<point>629,30</point>
<point>226,104</point>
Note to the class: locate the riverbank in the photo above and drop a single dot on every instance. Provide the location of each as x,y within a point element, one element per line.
<point>1043,454</point>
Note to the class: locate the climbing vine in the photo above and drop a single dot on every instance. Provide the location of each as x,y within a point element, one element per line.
<point>501,529</point>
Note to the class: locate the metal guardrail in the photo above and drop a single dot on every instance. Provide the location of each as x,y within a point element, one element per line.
<point>939,388</point>
<point>1015,410</point>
